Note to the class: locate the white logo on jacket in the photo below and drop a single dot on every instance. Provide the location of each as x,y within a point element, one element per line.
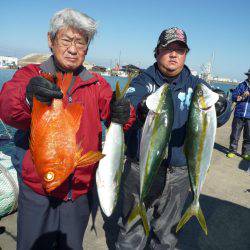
<point>150,88</point>
<point>130,90</point>
<point>185,99</point>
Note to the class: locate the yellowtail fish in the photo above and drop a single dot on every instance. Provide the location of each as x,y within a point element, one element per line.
<point>198,147</point>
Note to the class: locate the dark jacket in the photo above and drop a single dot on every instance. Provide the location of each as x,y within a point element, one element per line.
<point>182,88</point>
<point>242,108</point>
<point>91,91</point>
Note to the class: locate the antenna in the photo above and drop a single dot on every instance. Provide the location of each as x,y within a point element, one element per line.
<point>212,63</point>
<point>119,61</point>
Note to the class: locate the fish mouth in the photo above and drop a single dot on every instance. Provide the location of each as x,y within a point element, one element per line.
<point>208,99</point>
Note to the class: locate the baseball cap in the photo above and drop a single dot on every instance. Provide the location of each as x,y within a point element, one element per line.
<point>248,73</point>
<point>171,35</point>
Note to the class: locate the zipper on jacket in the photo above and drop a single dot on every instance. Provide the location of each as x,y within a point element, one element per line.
<point>70,101</point>
<point>246,107</point>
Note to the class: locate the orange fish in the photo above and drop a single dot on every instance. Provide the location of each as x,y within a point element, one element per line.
<point>53,145</point>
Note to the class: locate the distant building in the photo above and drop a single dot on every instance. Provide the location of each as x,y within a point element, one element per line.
<point>8,62</point>
<point>98,68</point>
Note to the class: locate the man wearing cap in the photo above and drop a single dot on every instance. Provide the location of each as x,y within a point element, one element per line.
<point>170,188</point>
<point>241,95</point>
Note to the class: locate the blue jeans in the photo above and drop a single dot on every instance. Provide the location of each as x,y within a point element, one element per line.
<point>237,125</point>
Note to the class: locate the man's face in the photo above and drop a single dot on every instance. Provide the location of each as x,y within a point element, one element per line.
<point>69,48</point>
<point>171,59</point>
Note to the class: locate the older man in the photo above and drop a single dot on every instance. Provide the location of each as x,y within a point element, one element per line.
<point>241,121</point>
<point>170,189</point>
<point>59,219</point>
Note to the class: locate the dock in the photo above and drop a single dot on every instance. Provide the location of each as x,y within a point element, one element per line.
<point>225,202</point>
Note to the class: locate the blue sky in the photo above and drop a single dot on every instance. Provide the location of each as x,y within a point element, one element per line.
<point>130,29</point>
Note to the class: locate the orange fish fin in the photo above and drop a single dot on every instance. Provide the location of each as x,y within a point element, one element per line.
<point>75,109</point>
<point>64,81</point>
<point>48,76</point>
<point>89,158</point>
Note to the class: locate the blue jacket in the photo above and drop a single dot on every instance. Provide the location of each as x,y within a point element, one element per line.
<point>182,88</point>
<point>242,108</point>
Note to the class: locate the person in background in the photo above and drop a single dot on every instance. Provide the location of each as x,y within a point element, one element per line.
<point>59,219</point>
<point>169,191</point>
<point>241,95</point>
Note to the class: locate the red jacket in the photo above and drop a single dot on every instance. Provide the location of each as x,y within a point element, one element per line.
<point>89,89</point>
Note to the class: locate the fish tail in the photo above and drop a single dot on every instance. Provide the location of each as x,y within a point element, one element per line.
<point>120,93</point>
<point>193,210</point>
<point>64,81</point>
<point>89,158</point>
<point>140,209</point>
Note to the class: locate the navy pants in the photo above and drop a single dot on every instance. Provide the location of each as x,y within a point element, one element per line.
<point>164,206</point>
<point>48,223</point>
<point>237,125</point>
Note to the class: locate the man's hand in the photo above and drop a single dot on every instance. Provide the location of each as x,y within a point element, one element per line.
<point>119,110</point>
<point>142,111</point>
<point>239,98</point>
<point>44,90</point>
<point>245,94</point>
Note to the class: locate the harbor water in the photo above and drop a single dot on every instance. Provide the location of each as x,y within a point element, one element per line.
<point>5,75</point>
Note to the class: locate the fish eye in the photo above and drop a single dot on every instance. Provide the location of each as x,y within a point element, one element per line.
<point>200,93</point>
<point>49,176</point>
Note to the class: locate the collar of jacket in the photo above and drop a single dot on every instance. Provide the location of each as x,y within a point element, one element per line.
<point>86,77</point>
<point>154,73</point>
<point>248,83</point>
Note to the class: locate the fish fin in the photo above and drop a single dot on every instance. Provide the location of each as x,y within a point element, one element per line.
<point>64,81</point>
<point>120,93</point>
<point>48,76</point>
<point>75,109</point>
<point>140,209</point>
<point>193,211</point>
<point>201,219</point>
<point>117,91</point>
<point>154,99</point>
<point>89,158</point>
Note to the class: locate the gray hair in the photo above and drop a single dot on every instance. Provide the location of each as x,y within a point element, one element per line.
<point>75,19</point>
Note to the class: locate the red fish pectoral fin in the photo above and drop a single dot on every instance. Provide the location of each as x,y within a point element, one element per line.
<point>75,110</point>
<point>89,158</point>
<point>48,76</point>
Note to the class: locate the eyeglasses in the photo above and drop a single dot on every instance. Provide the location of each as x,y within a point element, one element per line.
<point>66,43</point>
<point>178,50</point>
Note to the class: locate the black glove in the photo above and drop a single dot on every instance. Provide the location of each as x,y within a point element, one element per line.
<point>43,90</point>
<point>119,110</point>
<point>142,111</point>
<point>223,108</point>
<point>221,104</point>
